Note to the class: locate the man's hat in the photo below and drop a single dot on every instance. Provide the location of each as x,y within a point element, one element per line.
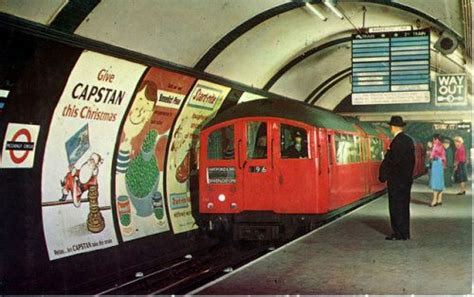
<point>396,121</point>
<point>298,134</point>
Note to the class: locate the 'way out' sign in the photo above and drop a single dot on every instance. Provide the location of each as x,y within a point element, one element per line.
<point>451,89</point>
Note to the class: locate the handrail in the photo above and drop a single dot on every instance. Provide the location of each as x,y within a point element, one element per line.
<point>238,152</point>
<point>272,152</point>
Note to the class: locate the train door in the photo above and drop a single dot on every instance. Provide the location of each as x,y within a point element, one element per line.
<point>324,154</point>
<point>295,170</point>
<point>256,163</point>
<point>331,159</point>
<point>220,186</point>
<point>366,163</point>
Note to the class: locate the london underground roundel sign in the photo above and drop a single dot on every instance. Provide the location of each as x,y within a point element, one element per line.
<point>19,146</point>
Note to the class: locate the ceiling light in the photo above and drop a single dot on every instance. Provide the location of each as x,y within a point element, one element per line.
<point>332,6</point>
<point>315,11</point>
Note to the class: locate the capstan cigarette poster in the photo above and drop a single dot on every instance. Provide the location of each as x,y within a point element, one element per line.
<point>77,167</point>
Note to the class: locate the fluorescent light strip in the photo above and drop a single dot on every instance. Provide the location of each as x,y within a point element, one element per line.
<point>315,11</point>
<point>333,9</point>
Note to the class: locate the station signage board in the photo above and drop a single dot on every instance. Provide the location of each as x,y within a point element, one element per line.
<point>451,89</point>
<point>452,126</point>
<point>391,67</point>
<point>444,126</point>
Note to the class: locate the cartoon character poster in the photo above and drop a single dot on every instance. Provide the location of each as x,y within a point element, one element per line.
<point>141,207</point>
<point>203,102</point>
<point>77,166</point>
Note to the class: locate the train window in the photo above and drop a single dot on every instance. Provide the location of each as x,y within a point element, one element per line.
<point>293,142</point>
<point>256,140</point>
<point>376,149</point>
<point>220,144</point>
<point>347,149</point>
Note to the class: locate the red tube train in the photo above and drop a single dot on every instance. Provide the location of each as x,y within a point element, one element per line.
<point>269,166</point>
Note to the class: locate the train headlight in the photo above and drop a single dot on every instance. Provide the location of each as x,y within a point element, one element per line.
<point>210,205</point>
<point>221,197</point>
<point>233,205</point>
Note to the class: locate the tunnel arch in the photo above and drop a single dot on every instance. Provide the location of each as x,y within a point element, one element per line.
<point>240,30</point>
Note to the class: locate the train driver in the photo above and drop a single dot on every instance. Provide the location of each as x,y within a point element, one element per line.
<point>299,149</point>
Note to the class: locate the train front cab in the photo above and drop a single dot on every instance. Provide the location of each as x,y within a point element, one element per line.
<point>248,168</point>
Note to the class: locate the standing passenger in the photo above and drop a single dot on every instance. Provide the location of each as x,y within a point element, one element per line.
<point>397,167</point>
<point>438,162</point>
<point>448,172</point>
<point>460,175</point>
<point>429,147</point>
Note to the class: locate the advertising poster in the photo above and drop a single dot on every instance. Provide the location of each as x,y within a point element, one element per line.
<point>19,146</point>
<point>140,202</point>
<point>77,166</point>
<point>203,102</point>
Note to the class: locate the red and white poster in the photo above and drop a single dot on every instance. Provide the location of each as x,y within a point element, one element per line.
<point>203,103</point>
<point>139,174</point>
<point>19,146</point>
<point>78,158</point>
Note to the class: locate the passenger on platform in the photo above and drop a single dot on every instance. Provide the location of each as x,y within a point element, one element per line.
<point>460,174</point>
<point>429,147</point>
<point>449,170</point>
<point>298,150</point>
<point>397,169</point>
<point>438,162</point>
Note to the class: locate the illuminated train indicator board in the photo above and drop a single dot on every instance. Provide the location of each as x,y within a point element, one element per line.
<point>391,67</point>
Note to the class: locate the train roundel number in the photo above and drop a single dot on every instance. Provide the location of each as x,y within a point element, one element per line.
<point>23,154</point>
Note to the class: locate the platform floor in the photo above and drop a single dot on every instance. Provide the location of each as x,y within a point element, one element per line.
<point>350,255</point>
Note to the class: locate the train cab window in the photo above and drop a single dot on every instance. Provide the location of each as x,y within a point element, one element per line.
<point>376,149</point>
<point>293,142</point>
<point>256,140</point>
<point>220,144</point>
<point>347,149</point>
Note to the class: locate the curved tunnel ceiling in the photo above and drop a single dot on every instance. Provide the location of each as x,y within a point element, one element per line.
<point>264,44</point>
<point>277,41</point>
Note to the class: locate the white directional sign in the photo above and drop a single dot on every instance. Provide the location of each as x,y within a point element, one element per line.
<point>451,89</point>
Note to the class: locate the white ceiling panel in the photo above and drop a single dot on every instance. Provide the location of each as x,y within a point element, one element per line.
<point>304,77</point>
<point>38,11</point>
<point>335,95</point>
<point>178,31</point>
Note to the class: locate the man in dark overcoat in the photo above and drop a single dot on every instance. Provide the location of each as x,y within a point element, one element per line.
<point>397,169</point>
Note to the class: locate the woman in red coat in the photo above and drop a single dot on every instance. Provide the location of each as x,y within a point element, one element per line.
<point>460,175</point>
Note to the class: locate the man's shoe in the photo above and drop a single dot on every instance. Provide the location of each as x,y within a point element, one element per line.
<point>393,237</point>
